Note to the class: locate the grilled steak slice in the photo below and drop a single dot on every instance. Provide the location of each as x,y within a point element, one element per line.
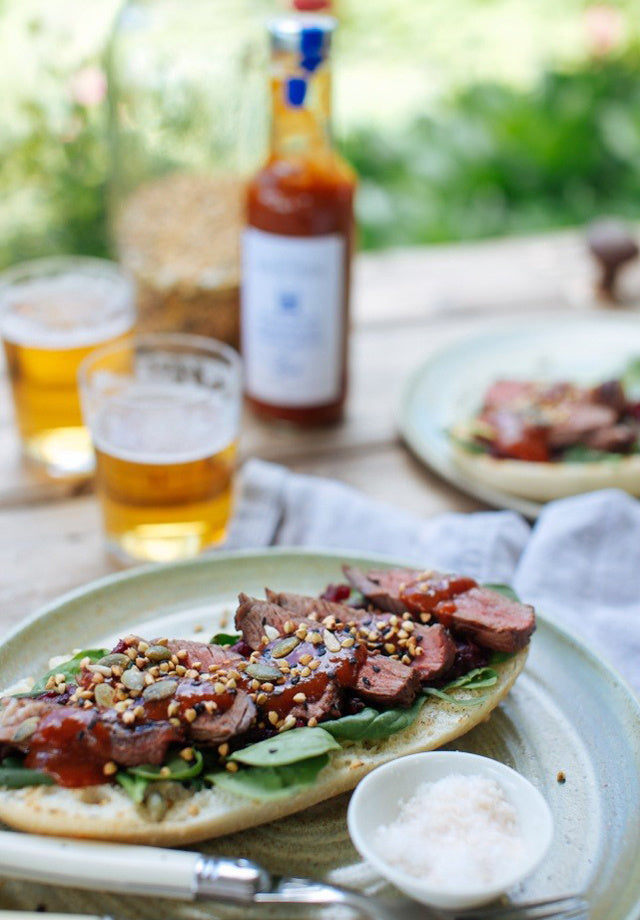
<point>394,589</point>
<point>305,606</point>
<point>216,727</point>
<point>387,681</point>
<point>327,706</point>
<point>133,745</point>
<point>582,419</point>
<point>616,439</point>
<point>211,657</point>
<point>438,652</point>
<point>489,618</point>
<point>610,393</point>
<point>253,615</point>
<point>382,587</point>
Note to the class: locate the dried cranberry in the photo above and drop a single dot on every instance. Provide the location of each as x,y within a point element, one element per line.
<point>336,593</point>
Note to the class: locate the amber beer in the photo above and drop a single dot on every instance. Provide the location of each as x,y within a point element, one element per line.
<point>165,440</point>
<point>53,314</point>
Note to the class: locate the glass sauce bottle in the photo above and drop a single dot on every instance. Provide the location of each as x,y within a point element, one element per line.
<point>298,244</point>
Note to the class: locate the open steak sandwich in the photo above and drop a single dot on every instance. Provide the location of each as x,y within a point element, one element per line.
<point>547,440</point>
<point>172,741</point>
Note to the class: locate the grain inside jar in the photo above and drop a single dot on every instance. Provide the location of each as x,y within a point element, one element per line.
<point>179,237</point>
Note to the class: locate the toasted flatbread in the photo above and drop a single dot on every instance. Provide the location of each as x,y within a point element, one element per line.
<point>105,812</point>
<point>547,481</point>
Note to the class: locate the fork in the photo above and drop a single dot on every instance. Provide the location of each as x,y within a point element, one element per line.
<point>305,892</point>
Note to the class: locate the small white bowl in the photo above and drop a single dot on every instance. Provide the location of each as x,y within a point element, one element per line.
<point>378,798</point>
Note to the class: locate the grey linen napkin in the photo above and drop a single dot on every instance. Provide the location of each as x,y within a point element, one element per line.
<point>580,563</point>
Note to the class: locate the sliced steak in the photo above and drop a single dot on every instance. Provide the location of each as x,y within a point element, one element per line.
<point>327,706</point>
<point>399,590</point>
<point>616,439</point>
<point>489,618</point>
<point>312,607</point>
<point>135,744</point>
<point>438,652</point>
<point>387,681</point>
<point>610,393</point>
<point>253,615</point>
<point>211,657</point>
<point>216,727</point>
<point>508,393</point>
<point>580,420</point>
<point>382,587</point>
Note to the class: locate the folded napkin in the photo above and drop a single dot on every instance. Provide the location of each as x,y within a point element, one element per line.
<point>580,563</point>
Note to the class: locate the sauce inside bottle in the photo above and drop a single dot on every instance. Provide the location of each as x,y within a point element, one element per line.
<point>298,241</point>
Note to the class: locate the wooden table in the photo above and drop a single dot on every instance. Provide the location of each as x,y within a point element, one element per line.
<point>407,304</point>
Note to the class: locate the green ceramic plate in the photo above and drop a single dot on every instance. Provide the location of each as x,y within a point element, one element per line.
<point>568,714</point>
<point>447,389</point>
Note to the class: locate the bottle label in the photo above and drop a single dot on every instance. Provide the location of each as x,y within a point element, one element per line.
<point>293,291</point>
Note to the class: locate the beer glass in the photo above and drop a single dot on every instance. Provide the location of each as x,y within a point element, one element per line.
<point>53,313</point>
<point>164,414</point>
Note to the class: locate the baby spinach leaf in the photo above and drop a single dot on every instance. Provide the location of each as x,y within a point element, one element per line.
<point>631,379</point>
<point>287,747</point>
<point>474,680</point>
<point>468,444</point>
<point>14,776</point>
<point>225,638</point>
<point>580,454</point>
<point>500,657</point>
<point>373,725</point>
<point>134,786</point>
<point>505,590</point>
<point>267,783</point>
<point>174,769</point>
<point>455,701</point>
<point>69,668</point>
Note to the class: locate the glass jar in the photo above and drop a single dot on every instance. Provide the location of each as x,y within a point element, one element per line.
<point>187,122</point>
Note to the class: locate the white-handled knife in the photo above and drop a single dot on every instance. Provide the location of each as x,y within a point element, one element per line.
<point>125,869</point>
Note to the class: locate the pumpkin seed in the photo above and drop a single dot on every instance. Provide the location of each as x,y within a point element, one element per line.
<point>104,695</point>
<point>160,690</point>
<point>265,672</point>
<point>271,632</point>
<point>133,678</point>
<point>26,729</point>
<point>156,806</point>
<point>99,669</point>
<point>122,661</point>
<point>158,653</point>
<point>330,641</point>
<point>285,647</point>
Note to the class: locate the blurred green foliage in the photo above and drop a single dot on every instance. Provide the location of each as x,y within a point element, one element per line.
<point>488,159</point>
<point>495,160</point>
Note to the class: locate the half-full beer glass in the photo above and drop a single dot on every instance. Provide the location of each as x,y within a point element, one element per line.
<point>53,313</point>
<point>164,414</point>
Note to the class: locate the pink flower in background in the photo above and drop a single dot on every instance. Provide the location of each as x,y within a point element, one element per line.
<point>88,86</point>
<point>605,28</point>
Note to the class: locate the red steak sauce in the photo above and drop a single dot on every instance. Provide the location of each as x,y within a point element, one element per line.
<point>341,666</point>
<point>68,747</point>
<point>424,595</point>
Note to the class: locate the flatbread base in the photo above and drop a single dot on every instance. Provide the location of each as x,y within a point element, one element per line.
<point>544,482</point>
<point>105,812</point>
